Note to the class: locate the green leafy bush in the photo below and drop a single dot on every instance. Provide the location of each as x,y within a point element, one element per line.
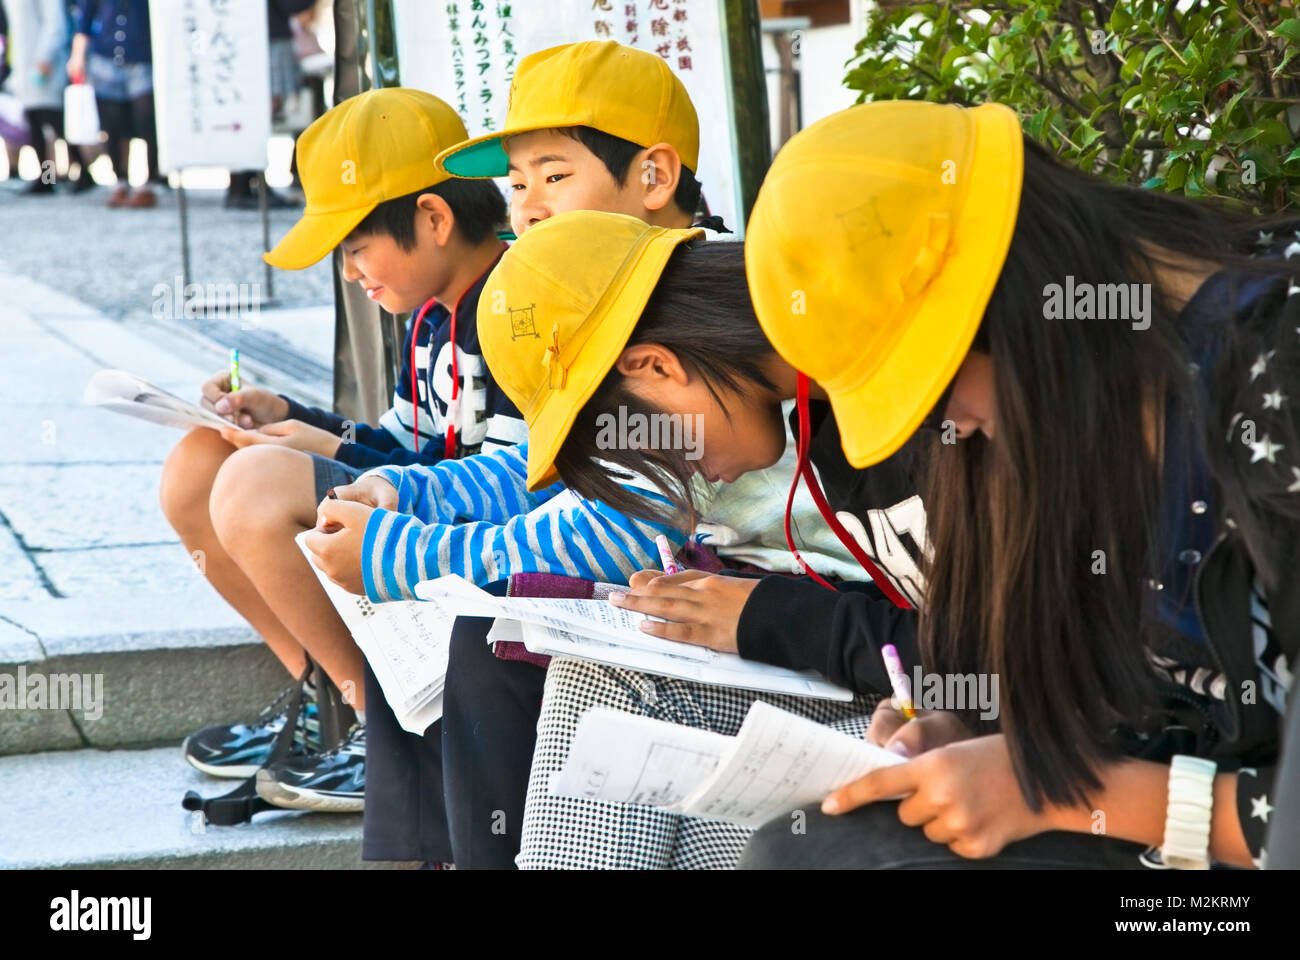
<point>1192,97</point>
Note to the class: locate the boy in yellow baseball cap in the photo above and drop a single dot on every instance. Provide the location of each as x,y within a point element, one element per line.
<point>417,241</point>
<point>592,126</point>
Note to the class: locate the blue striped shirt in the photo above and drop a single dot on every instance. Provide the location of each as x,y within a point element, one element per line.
<point>476,518</point>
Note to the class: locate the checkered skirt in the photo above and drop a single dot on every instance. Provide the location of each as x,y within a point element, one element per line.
<point>570,833</point>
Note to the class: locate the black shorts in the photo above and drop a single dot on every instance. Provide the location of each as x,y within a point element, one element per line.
<point>331,473</point>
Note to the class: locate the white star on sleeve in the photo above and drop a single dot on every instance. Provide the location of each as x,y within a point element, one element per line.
<point>1295,487</point>
<point>1258,367</point>
<point>1265,449</point>
<point>1259,807</point>
<point>1292,249</point>
<point>1273,401</point>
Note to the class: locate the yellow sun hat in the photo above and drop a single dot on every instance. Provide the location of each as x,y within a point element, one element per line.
<point>376,146</point>
<point>873,248</point>
<point>558,309</point>
<point>619,90</point>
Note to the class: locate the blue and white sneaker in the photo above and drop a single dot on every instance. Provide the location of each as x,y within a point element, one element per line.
<point>239,750</point>
<point>331,782</point>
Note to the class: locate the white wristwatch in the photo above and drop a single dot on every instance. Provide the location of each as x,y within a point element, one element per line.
<point>1188,814</point>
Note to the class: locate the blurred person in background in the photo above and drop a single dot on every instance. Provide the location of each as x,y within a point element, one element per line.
<point>285,80</point>
<point>111,49</point>
<point>41,30</point>
<point>13,131</point>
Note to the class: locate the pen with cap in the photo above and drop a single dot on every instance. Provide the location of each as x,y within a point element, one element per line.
<point>234,369</point>
<point>666,555</point>
<point>898,680</point>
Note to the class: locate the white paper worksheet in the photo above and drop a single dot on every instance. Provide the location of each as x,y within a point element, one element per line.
<point>598,631</point>
<point>136,397</point>
<point>406,642</point>
<point>777,762</point>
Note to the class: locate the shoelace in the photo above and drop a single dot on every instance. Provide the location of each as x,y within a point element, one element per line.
<point>281,702</point>
<point>356,733</point>
<point>279,707</point>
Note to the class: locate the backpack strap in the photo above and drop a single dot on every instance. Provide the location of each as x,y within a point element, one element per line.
<point>239,805</point>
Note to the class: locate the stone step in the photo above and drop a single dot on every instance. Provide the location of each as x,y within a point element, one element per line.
<point>97,809</point>
<point>152,667</point>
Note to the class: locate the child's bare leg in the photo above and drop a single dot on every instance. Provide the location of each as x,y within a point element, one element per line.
<point>263,497</point>
<point>185,491</point>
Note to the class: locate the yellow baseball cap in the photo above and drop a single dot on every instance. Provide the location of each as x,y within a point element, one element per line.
<point>550,331</point>
<point>373,147</point>
<point>619,90</point>
<point>872,251</point>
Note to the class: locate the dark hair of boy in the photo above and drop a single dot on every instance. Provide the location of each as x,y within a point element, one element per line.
<point>477,206</point>
<point>616,154</point>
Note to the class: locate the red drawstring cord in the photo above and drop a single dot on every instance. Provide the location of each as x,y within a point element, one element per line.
<point>804,469</point>
<point>453,406</point>
<point>415,382</point>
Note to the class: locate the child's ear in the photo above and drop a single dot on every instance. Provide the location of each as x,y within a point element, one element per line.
<point>434,219</point>
<point>659,171</point>
<point>651,363</point>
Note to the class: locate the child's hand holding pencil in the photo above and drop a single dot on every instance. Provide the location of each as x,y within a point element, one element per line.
<point>335,544</point>
<point>246,407</point>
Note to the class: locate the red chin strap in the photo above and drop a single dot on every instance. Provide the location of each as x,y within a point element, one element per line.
<point>804,470</point>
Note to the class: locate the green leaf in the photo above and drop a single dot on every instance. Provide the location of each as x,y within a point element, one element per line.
<point>1243,136</point>
<point>1290,29</point>
<point>1035,124</point>
<point>1274,132</point>
<point>1121,19</point>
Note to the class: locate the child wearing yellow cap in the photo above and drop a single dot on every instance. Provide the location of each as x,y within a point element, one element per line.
<point>593,125</point>
<point>417,241</point>
<point>1109,501</point>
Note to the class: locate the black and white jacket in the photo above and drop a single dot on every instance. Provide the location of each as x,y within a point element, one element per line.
<point>1226,641</point>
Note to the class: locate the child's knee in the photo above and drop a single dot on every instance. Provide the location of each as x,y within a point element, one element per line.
<point>189,471</point>
<point>262,488</point>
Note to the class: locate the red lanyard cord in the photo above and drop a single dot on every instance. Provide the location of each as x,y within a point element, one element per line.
<point>415,382</point>
<point>454,403</point>
<point>805,471</point>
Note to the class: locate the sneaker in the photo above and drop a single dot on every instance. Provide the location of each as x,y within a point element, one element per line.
<point>237,751</point>
<point>331,782</point>
<point>143,198</point>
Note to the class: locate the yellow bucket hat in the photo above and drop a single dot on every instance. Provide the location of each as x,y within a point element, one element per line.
<point>872,251</point>
<point>619,90</point>
<point>558,309</point>
<point>373,147</point>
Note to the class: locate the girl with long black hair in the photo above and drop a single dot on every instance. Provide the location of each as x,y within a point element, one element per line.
<point>1111,489</point>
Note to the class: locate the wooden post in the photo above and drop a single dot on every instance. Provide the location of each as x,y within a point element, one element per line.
<point>748,100</point>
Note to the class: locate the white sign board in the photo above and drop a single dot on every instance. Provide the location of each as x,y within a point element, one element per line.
<point>465,52</point>
<point>212,83</point>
